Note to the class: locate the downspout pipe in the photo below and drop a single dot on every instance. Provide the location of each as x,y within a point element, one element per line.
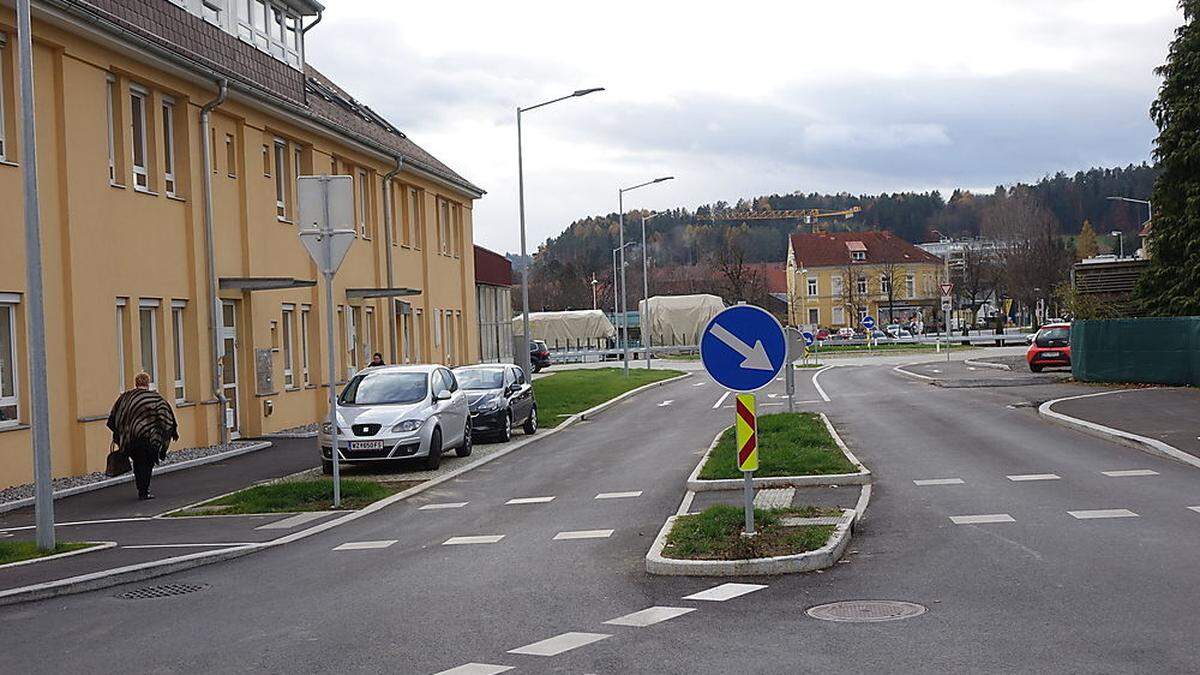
<point>210,256</point>
<point>320,15</point>
<point>388,224</point>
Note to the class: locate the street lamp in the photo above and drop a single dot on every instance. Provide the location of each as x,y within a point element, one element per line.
<point>594,282</point>
<point>523,354</point>
<point>1149,217</point>
<point>1120,243</point>
<point>616,303</point>
<point>646,287</point>
<point>621,226</point>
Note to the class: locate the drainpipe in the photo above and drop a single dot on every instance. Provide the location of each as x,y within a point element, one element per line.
<point>210,256</point>
<point>320,15</point>
<point>387,248</point>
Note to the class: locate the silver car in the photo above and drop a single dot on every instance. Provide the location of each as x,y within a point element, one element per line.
<point>391,413</point>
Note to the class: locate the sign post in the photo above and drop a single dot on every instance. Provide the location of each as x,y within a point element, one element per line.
<point>795,349</point>
<point>747,453</point>
<point>947,307</point>
<point>326,229</point>
<point>868,322</point>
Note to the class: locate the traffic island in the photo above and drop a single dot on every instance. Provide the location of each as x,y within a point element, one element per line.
<point>14,553</point>
<point>295,496</point>
<point>562,395</point>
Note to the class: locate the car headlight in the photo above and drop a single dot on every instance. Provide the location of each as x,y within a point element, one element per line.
<point>407,425</point>
<point>327,428</point>
<point>490,405</point>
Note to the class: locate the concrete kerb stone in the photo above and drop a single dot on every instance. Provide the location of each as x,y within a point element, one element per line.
<point>95,546</point>
<point>987,364</point>
<point>143,571</point>
<point>1132,440</point>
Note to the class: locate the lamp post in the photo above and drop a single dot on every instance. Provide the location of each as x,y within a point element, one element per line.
<point>1120,243</point>
<point>646,288</point>
<point>523,354</point>
<point>1149,217</point>
<point>616,302</point>
<point>621,227</point>
<point>594,282</point>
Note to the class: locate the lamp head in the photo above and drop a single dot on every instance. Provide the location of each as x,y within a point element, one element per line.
<point>585,92</point>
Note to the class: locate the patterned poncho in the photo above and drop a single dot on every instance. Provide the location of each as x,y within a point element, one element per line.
<point>142,415</point>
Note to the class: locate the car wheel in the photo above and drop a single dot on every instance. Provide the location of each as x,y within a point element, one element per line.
<point>327,467</point>
<point>464,450</point>
<point>537,369</point>
<point>531,423</point>
<point>434,460</point>
<point>506,432</point>
<point>1036,369</point>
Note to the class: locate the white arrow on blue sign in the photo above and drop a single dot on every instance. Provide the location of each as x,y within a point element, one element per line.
<point>868,322</point>
<point>743,348</point>
<point>808,339</point>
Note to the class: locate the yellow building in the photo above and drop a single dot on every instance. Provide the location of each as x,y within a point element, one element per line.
<point>835,279</point>
<point>129,155</point>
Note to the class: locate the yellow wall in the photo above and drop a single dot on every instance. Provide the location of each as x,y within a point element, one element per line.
<point>105,241</point>
<point>927,276</point>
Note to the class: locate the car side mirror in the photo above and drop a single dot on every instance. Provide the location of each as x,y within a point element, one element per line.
<point>443,395</point>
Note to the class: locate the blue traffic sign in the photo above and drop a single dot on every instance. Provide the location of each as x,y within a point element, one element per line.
<point>743,348</point>
<point>868,322</point>
<point>809,339</point>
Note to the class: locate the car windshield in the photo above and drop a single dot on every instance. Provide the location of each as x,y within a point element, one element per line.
<point>480,378</point>
<point>384,388</point>
<point>1051,335</point>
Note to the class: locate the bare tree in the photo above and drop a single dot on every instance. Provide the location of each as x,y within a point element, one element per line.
<point>739,281</point>
<point>887,280</point>
<point>1034,259</point>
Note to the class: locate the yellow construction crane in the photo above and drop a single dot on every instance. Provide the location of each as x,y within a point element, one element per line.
<point>806,216</point>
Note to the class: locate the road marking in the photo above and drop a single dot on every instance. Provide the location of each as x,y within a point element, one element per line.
<point>934,370</point>
<point>900,369</point>
<point>699,384</point>
<point>559,644</point>
<point>583,534</point>
<point>649,616</point>
<point>666,403</point>
<point>981,519</point>
<point>725,592</point>
<point>970,368</point>
<point>817,385</point>
<point>1103,513</point>
<point>205,545</point>
<point>1033,476</point>
<point>529,500</point>
<point>1195,508</point>
<point>619,495</point>
<point>938,481</point>
<point>476,669</point>
<point>1130,472</point>
<point>444,505</point>
<point>476,539</point>
<point>774,498</point>
<point>363,545</point>
<point>720,400</point>
<point>81,522</point>
<point>294,521</point>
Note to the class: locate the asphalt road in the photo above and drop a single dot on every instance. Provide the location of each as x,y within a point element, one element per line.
<point>1040,591</point>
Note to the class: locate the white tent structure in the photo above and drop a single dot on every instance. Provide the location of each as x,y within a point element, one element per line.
<point>677,319</point>
<point>561,330</point>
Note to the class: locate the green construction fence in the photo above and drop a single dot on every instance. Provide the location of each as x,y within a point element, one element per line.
<point>1152,350</point>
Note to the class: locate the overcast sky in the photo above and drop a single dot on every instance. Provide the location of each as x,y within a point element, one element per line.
<point>773,97</point>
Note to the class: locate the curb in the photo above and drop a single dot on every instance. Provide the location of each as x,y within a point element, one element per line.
<point>142,571</point>
<point>987,364</point>
<point>1143,443</point>
<point>128,478</point>
<point>96,546</point>
<point>861,477</point>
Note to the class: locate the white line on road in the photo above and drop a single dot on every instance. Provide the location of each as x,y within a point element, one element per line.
<point>938,481</point>
<point>649,616</point>
<point>559,644</point>
<point>720,400</point>
<point>666,403</point>
<point>206,545</point>
<point>444,505</point>
<point>364,545</point>
<point>1103,513</point>
<point>699,384</point>
<point>1130,472</point>
<point>981,519</point>
<point>529,500</point>
<point>619,495</point>
<point>900,369</point>
<point>1195,508</point>
<point>817,385</point>
<point>476,669</point>
<point>725,592</point>
<point>81,522</point>
<point>1033,476</point>
<point>583,534</point>
<point>295,521</point>
<point>476,539</point>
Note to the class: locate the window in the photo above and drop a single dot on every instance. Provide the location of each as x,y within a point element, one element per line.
<point>305,316</point>
<point>148,328</point>
<point>885,284</point>
<point>168,125</point>
<point>281,209</point>
<point>443,224</point>
<point>450,355</point>
<point>407,335</point>
<point>266,159</point>
<point>289,380</point>
<point>361,206</point>
<point>858,255</point>
<point>412,226</point>
<point>368,340</point>
<point>3,118</point>
<point>836,285</point>
<point>814,316</point>
<point>437,328</point>
<point>419,336</point>
<point>9,394</point>
<point>812,286</point>
<point>177,344</point>
<point>839,316</point>
<point>137,117</point>
<point>211,10</point>
<point>297,171</point>
<point>352,340</point>
<point>271,28</point>
<point>910,285</point>
<point>861,286</point>
<point>230,156</point>
<point>111,106</point>
<point>122,355</point>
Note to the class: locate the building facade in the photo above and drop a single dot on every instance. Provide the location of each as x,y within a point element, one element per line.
<point>835,279</point>
<point>170,135</point>
<point>493,299</point>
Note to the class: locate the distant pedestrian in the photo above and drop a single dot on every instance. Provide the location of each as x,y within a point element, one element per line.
<point>377,360</point>
<point>142,426</point>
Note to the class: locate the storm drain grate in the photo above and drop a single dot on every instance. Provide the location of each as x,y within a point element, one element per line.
<point>863,611</point>
<point>163,591</point>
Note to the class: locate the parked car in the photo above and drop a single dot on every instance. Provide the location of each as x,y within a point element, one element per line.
<point>391,413</point>
<point>845,333</point>
<point>822,334</point>
<point>500,397</point>
<point>1051,347</point>
<point>539,355</point>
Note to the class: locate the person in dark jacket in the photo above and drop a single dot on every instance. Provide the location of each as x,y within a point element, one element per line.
<point>377,360</point>
<point>143,425</point>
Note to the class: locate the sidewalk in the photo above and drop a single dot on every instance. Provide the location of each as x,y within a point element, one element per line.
<point>1168,414</point>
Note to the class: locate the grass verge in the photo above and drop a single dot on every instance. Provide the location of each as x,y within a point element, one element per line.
<point>789,444</point>
<point>716,534</point>
<point>572,391</point>
<point>294,496</point>
<point>16,551</point>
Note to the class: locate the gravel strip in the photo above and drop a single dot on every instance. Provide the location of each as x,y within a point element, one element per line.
<point>303,431</point>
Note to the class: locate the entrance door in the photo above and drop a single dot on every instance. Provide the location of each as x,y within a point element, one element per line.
<point>229,374</point>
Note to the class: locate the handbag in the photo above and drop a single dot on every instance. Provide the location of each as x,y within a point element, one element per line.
<point>117,463</point>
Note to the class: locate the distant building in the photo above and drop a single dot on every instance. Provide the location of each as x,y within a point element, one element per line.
<point>493,301</point>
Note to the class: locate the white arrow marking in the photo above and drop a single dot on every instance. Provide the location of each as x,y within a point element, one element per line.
<point>753,358</point>
<point>666,403</point>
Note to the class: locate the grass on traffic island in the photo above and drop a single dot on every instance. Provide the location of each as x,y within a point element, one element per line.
<point>298,495</point>
<point>789,444</point>
<point>569,392</point>
<point>716,534</point>
<point>17,551</point>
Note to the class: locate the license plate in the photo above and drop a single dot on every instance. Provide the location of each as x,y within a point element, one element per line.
<point>1050,355</point>
<point>366,445</point>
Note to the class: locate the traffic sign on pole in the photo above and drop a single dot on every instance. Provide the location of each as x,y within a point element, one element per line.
<point>746,425</point>
<point>947,288</point>
<point>809,339</point>
<point>743,348</point>
<point>868,322</point>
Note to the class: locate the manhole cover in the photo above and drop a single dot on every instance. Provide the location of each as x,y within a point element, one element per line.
<point>858,611</point>
<point>164,591</point>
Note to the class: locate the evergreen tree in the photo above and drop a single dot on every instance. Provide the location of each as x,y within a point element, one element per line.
<point>1171,285</point>
<point>1086,245</point>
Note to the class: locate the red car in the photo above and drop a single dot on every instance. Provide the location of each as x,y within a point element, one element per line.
<point>1051,347</point>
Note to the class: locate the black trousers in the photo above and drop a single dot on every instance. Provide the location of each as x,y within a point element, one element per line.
<point>143,456</point>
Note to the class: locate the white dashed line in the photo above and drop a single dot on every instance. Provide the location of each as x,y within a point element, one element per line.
<point>720,400</point>
<point>1130,472</point>
<point>938,481</point>
<point>364,545</point>
<point>650,616</point>
<point>619,495</point>
<point>725,592</point>
<point>476,539</point>
<point>1033,476</point>
<point>1103,513</point>
<point>529,500</point>
<point>982,519</point>
<point>294,521</point>
<point>1195,508</point>
<point>559,644</point>
<point>476,669</point>
<point>583,534</point>
<point>444,505</point>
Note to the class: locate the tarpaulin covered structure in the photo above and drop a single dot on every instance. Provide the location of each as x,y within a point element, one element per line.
<point>561,330</point>
<point>677,319</point>
<point>1160,350</point>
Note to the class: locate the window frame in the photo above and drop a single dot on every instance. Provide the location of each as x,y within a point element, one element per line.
<point>9,306</point>
<point>910,285</point>
<point>111,91</point>
<point>3,100</point>
<point>861,284</point>
<point>169,155</point>
<point>305,317</point>
<point>289,374</point>
<point>813,287</point>
<point>280,149</point>
<point>137,109</point>
<point>231,163</point>
<point>122,357</point>
<point>149,308</point>
<point>814,316</point>
<point>179,353</point>
<point>362,203</point>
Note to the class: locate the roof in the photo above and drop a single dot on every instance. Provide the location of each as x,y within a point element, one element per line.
<point>492,268</point>
<point>167,28</point>
<point>833,248</point>
<point>774,275</point>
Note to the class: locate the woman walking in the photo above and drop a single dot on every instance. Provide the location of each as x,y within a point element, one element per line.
<point>142,426</point>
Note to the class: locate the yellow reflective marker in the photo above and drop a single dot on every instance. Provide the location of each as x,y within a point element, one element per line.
<point>747,433</point>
